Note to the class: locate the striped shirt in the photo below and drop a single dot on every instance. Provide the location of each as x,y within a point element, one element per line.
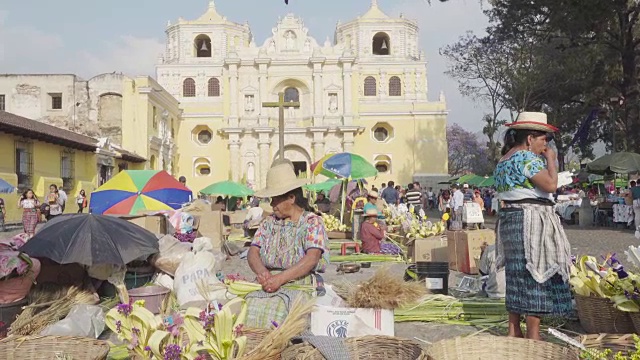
<point>414,197</point>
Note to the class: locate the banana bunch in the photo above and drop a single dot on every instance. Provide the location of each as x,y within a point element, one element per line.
<point>425,229</point>
<point>332,223</point>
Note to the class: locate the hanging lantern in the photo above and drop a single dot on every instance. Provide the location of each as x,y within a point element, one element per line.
<point>204,46</point>
<point>384,45</point>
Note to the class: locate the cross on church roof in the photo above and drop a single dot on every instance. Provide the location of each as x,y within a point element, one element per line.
<point>281,105</point>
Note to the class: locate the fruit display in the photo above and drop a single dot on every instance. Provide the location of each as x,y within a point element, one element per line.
<point>332,223</point>
<point>424,229</point>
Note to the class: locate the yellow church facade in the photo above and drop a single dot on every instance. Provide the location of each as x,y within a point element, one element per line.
<point>364,92</point>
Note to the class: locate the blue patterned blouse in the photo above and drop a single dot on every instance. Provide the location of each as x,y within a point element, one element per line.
<point>513,177</point>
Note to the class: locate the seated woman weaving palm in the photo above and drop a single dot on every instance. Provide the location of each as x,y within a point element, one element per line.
<point>290,246</point>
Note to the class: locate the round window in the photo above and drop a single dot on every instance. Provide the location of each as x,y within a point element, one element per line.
<point>204,170</point>
<point>381,133</point>
<point>205,136</point>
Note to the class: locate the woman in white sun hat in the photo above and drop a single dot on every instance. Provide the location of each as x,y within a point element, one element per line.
<point>289,246</point>
<point>531,244</point>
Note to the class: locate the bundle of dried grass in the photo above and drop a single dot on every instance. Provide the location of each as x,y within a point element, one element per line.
<point>383,291</point>
<point>49,303</point>
<point>277,340</point>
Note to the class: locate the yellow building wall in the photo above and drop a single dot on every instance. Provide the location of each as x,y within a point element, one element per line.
<point>46,171</point>
<point>412,143</point>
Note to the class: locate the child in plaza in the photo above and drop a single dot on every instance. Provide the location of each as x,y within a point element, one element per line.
<point>30,215</point>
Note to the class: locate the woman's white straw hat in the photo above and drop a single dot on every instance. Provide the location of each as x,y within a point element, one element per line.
<point>281,179</point>
<point>532,121</point>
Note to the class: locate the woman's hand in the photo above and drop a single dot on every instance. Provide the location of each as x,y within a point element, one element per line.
<point>274,283</point>
<point>550,155</point>
<point>263,277</point>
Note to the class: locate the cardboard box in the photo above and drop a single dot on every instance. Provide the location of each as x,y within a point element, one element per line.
<point>351,322</point>
<point>157,224</point>
<point>464,247</point>
<point>430,249</point>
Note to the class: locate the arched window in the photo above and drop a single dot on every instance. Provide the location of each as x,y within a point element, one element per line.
<point>291,95</point>
<point>202,46</point>
<point>370,86</point>
<point>213,87</point>
<point>395,86</point>
<point>381,44</point>
<point>189,88</point>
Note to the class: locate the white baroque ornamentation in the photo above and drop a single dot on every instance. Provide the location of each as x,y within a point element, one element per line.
<point>333,102</point>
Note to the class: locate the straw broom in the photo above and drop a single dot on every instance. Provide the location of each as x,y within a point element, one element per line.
<point>276,341</point>
<point>48,306</point>
<point>382,291</point>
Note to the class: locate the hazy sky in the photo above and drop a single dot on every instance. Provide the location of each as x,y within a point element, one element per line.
<point>92,37</point>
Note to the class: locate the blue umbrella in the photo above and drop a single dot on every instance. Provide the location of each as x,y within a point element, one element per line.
<point>6,188</point>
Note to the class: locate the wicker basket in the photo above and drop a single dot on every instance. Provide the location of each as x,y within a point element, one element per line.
<point>597,315</point>
<point>617,343</point>
<point>485,347</point>
<point>48,347</point>
<point>366,347</point>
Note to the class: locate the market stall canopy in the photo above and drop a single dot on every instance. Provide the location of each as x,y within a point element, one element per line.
<point>134,191</point>
<point>324,186</point>
<point>486,182</point>
<point>227,188</point>
<point>344,166</point>
<point>89,239</point>
<point>462,179</point>
<point>6,188</point>
<point>616,163</point>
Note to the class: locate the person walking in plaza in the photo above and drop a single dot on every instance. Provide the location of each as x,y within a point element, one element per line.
<point>414,197</point>
<point>63,199</point>
<point>30,215</point>
<point>54,201</point>
<point>530,242</point>
<point>81,200</point>
<point>457,200</point>
<point>3,213</point>
<point>390,195</point>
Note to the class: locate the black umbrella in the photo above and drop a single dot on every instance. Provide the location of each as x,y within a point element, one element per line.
<point>91,240</point>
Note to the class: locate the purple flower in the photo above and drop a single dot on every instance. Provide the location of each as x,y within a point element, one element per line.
<point>135,331</point>
<point>172,352</point>
<point>219,307</point>
<point>134,342</point>
<point>207,320</point>
<point>275,324</point>
<point>147,348</point>
<point>118,326</point>
<point>177,322</point>
<point>125,309</point>
<point>200,357</point>
<point>238,330</point>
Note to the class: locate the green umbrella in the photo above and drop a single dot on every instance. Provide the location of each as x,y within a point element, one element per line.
<point>616,163</point>
<point>462,179</point>
<point>486,182</point>
<point>344,166</point>
<point>229,188</point>
<point>475,180</point>
<point>325,186</point>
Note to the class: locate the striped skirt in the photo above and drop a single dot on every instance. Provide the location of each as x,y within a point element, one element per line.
<point>30,220</point>
<point>524,295</point>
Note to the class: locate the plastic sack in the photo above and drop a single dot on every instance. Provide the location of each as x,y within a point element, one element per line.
<point>170,254</point>
<point>82,321</point>
<point>205,244</point>
<point>163,280</point>
<point>194,271</point>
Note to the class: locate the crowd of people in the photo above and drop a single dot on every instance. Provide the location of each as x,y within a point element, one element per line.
<point>35,211</point>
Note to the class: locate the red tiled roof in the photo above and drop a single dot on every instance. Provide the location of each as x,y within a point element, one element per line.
<point>31,129</point>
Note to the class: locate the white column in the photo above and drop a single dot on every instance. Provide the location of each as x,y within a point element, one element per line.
<point>233,89</point>
<point>347,141</point>
<point>262,96</point>
<point>265,159</point>
<point>234,153</point>
<point>348,104</point>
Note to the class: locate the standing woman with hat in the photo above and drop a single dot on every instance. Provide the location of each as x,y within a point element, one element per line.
<point>290,246</point>
<point>531,243</point>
